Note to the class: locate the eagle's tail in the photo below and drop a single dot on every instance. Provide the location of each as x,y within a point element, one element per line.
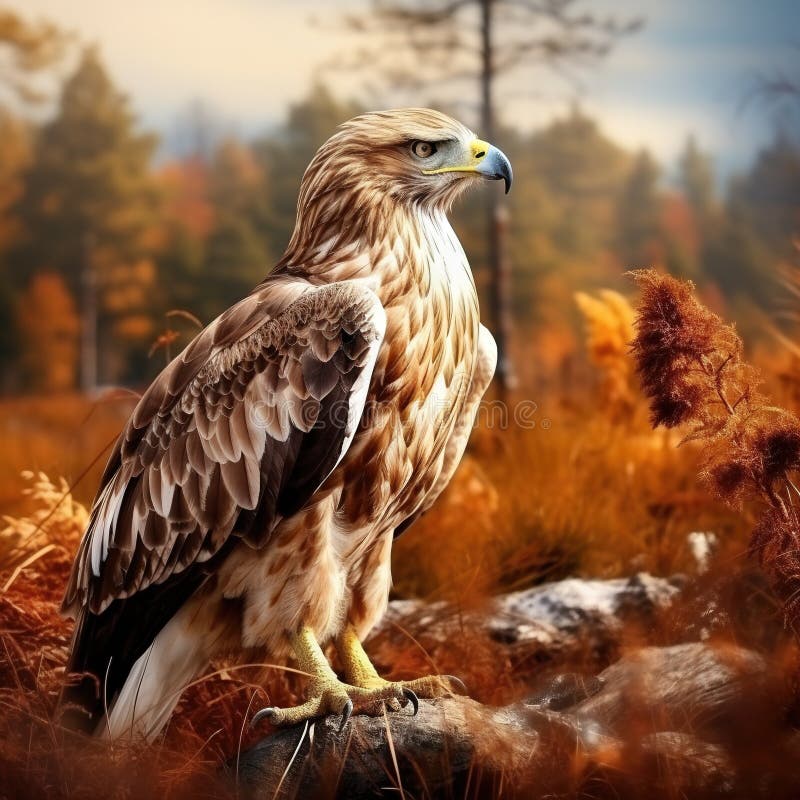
<point>132,662</point>
<point>155,683</point>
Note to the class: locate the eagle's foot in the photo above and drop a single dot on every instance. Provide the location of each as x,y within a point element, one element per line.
<point>325,696</point>
<point>373,695</point>
<point>392,695</point>
<point>364,692</point>
<point>330,696</point>
<point>428,688</point>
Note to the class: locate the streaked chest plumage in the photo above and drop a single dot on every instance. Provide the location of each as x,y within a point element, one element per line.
<point>421,377</point>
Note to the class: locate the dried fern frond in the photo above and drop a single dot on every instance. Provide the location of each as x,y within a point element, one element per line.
<point>55,517</point>
<point>689,361</point>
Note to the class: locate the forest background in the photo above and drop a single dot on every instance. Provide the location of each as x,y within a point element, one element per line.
<point>119,238</point>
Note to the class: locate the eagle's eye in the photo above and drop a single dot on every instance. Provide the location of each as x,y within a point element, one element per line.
<point>423,149</point>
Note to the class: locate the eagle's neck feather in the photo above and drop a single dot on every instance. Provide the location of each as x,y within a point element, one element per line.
<point>383,242</point>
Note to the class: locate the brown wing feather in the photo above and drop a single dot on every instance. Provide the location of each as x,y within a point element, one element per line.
<point>244,425</point>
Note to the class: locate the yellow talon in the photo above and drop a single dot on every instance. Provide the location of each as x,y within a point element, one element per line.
<point>360,671</point>
<point>365,691</point>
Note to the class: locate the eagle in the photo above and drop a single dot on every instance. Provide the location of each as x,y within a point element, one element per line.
<point>252,499</point>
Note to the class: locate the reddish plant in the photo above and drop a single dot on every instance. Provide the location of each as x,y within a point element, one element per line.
<point>692,371</point>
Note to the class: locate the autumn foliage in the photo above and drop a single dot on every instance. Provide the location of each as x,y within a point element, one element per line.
<point>609,330</point>
<point>48,322</point>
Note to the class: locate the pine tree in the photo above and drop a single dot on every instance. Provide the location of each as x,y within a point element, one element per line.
<point>237,253</point>
<point>15,155</point>
<point>696,178</point>
<point>761,221</point>
<point>638,213</point>
<point>769,195</point>
<point>583,171</point>
<point>694,218</point>
<point>88,208</point>
<point>187,220</point>
<point>285,155</point>
<point>27,51</point>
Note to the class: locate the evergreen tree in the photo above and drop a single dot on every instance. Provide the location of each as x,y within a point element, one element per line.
<point>15,155</point>
<point>582,171</point>
<point>286,153</point>
<point>639,214</point>
<point>696,177</point>
<point>690,247</point>
<point>237,255</point>
<point>769,194</point>
<point>761,219</point>
<point>187,220</point>
<point>217,223</point>
<point>27,51</point>
<point>88,208</point>
<point>15,147</point>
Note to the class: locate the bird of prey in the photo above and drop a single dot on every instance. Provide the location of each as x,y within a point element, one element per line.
<point>254,494</point>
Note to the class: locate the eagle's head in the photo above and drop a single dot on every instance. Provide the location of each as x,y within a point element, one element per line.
<point>410,155</point>
<point>381,166</point>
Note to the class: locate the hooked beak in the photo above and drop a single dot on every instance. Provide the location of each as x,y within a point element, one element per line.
<point>495,165</point>
<point>485,159</point>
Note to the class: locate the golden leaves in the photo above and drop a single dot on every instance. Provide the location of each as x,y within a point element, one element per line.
<point>609,331</point>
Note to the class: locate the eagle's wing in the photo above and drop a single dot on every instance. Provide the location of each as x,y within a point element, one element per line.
<point>240,429</point>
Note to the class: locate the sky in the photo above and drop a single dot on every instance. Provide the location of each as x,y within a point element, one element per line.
<point>688,70</point>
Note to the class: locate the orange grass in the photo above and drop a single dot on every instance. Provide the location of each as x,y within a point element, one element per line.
<point>59,435</point>
<point>583,494</point>
<point>582,497</point>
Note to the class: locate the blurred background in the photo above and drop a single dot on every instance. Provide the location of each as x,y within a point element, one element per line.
<point>150,159</point>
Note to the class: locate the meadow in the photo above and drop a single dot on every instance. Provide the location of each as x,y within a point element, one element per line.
<point>588,489</point>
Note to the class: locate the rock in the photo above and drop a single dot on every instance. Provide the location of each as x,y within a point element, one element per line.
<point>680,760</point>
<point>374,756</point>
<point>571,606</point>
<point>566,690</point>
<point>660,720</point>
<point>537,625</point>
<point>662,683</point>
<point>702,545</point>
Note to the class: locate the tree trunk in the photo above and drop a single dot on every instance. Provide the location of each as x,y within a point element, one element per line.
<point>496,219</point>
<point>88,318</point>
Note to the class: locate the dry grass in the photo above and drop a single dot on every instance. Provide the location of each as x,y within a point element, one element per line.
<point>694,373</point>
<point>609,331</point>
<point>584,496</point>
<point>37,757</point>
<point>60,435</point>
<point>583,492</point>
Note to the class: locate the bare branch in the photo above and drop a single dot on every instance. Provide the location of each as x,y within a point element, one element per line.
<point>419,13</point>
<point>441,36</point>
<point>771,89</point>
<point>27,49</point>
